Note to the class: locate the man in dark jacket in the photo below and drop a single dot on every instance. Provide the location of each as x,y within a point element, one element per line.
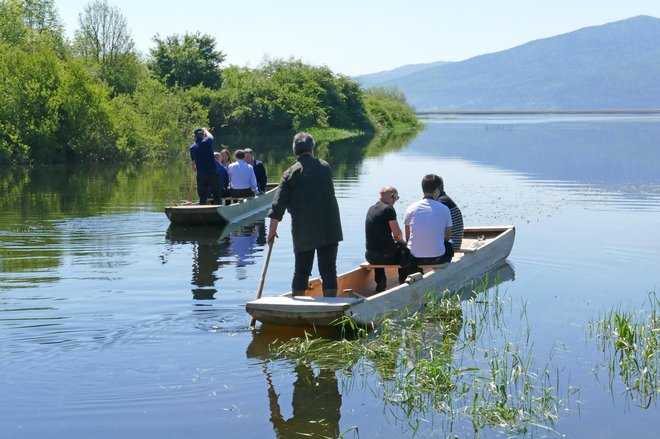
<point>259,169</point>
<point>307,191</point>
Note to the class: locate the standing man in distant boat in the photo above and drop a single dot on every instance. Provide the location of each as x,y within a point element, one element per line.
<point>203,163</point>
<point>241,177</point>
<point>428,226</point>
<point>259,169</point>
<point>307,191</point>
<point>384,239</point>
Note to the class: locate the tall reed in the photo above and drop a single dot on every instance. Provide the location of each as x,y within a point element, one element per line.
<point>454,358</point>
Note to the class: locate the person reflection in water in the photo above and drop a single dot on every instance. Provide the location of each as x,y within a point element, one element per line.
<point>316,405</point>
<point>208,254</point>
<point>242,248</point>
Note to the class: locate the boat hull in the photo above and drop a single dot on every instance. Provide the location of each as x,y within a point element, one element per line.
<point>194,214</point>
<point>364,307</point>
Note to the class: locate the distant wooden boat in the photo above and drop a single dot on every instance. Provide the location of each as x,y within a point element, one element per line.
<point>213,214</point>
<point>483,249</point>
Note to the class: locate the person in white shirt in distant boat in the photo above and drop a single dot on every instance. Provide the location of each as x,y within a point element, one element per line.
<point>241,177</point>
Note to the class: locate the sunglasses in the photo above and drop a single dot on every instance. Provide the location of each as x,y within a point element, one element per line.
<point>395,196</point>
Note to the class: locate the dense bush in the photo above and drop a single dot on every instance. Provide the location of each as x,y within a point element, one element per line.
<point>387,107</point>
<point>67,103</point>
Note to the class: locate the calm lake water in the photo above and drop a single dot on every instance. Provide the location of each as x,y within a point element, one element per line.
<point>113,324</point>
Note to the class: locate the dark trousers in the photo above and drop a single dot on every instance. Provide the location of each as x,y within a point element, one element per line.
<point>385,258</point>
<point>436,260</point>
<point>208,183</point>
<point>327,263</point>
<point>241,193</point>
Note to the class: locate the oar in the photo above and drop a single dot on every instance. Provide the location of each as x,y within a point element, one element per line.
<point>253,321</point>
<point>192,181</point>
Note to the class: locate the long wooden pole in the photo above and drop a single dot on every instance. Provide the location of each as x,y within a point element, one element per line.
<point>192,181</point>
<point>253,321</point>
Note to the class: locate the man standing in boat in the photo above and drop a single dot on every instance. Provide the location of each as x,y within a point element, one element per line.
<point>203,163</point>
<point>259,169</point>
<point>428,226</point>
<point>384,239</point>
<point>307,191</point>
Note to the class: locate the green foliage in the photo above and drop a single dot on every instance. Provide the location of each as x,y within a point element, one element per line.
<point>94,100</point>
<point>154,122</point>
<point>387,107</point>
<point>104,41</point>
<point>285,96</point>
<point>187,61</point>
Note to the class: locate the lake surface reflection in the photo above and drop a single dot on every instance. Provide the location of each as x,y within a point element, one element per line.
<point>113,322</point>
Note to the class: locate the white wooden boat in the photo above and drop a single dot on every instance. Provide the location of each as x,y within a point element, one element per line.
<point>483,249</point>
<point>239,209</point>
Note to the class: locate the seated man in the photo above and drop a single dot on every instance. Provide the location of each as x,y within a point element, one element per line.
<point>428,227</point>
<point>384,239</point>
<point>457,229</point>
<point>259,169</point>
<point>241,177</point>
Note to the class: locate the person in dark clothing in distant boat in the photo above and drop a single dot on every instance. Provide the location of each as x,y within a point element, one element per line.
<point>384,239</point>
<point>307,191</point>
<point>456,220</point>
<point>259,169</point>
<point>203,163</point>
<point>223,176</point>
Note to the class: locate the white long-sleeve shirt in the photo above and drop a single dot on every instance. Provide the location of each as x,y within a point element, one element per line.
<point>241,176</point>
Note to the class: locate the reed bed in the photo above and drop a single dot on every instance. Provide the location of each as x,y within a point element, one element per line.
<point>629,340</point>
<point>452,367</point>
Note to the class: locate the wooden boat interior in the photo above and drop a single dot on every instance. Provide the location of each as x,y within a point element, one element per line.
<point>360,282</point>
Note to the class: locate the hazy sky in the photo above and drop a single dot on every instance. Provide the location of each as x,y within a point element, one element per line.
<point>361,36</point>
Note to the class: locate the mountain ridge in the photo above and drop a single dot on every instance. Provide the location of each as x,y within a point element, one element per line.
<point>610,66</point>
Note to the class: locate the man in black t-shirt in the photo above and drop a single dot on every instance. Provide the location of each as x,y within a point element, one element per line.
<point>384,239</point>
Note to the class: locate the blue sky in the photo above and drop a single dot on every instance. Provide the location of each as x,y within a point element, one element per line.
<point>362,36</point>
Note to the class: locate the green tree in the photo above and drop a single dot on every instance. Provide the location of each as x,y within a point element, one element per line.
<point>187,61</point>
<point>104,40</point>
<point>155,122</point>
<point>41,15</point>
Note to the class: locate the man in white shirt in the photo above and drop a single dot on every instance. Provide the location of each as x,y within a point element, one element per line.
<point>428,226</point>
<point>241,177</point>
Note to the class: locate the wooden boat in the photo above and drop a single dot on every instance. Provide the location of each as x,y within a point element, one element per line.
<point>483,249</point>
<point>210,214</point>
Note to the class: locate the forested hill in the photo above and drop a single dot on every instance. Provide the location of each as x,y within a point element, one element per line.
<point>613,66</point>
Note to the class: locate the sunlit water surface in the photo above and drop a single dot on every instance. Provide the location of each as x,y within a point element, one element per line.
<point>112,323</point>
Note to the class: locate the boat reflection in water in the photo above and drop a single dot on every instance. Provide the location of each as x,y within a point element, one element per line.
<point>317,395</point>
<point>216,247</point>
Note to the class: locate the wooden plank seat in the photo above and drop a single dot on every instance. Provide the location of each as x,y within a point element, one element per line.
<point>369,266</point>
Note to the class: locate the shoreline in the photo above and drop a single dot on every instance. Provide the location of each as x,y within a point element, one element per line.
<point>533,112</point>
